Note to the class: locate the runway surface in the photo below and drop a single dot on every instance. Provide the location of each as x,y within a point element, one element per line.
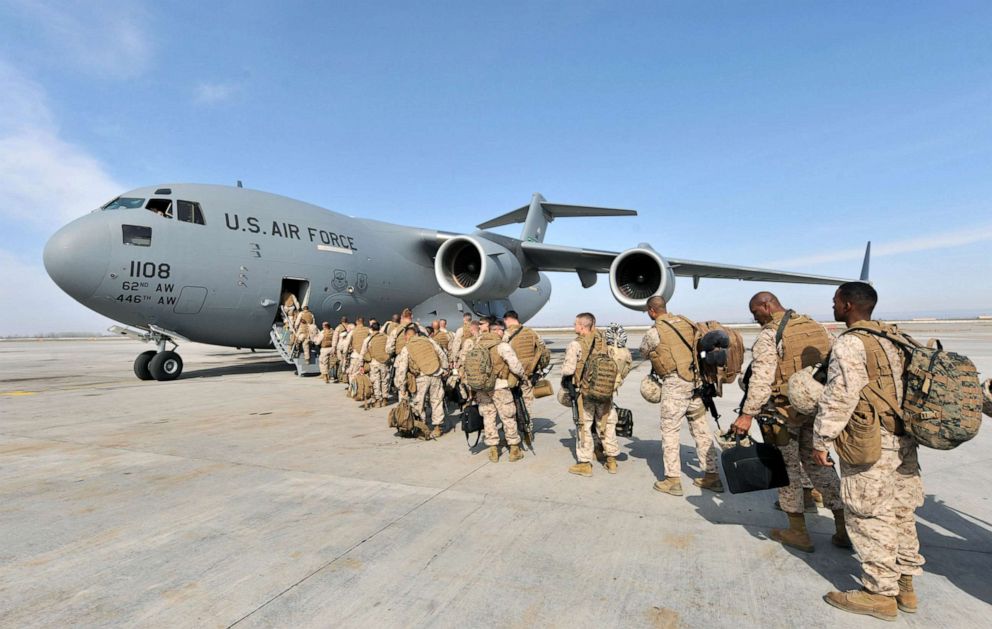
<point>242,495</point>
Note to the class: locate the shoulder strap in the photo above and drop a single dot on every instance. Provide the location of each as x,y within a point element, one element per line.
<point>515,333</point>
<point>679,334</point>
<point>782,325</point>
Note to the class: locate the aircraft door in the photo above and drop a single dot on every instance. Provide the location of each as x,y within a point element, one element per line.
<point>294,293</point>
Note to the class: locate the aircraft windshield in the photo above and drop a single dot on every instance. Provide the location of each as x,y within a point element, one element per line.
<point>124,203</point>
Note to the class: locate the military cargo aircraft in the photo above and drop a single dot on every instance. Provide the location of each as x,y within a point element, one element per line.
<point>212,264</point>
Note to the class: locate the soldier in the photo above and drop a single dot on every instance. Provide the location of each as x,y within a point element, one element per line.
<point>881,486</point>
<point>290,305</point>
<point>497,404</point>
<point>376,364</point>
<point>339,329</point>
<point>435,326</point>
<point>421,357</point>
<point>392,323</point>
<point>442,337</point>
<point>355,342</point>
<point>455,345</point>
<point>304,330</point>
<point>528,347</point>
<point>787,343</point>
<point>343,352</point>
<point>325,341</point>
<point>587,341</point>
<point>670,346</point>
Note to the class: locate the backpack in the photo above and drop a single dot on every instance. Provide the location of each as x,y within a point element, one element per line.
<point>721,353</point>
<point>677,348</point>
<point>599,372</point>
<point>625,422</point>
<point>478,371</point>
<point>942,397</point>
<point>423,359</point>
<point>377,348</point>
<point>472,422</point>
<point>407,425</point>
<point>360,389</point>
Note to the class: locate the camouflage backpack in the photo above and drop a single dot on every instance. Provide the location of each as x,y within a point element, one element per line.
<point>599,371</point>
<point>407,424</point>
<point>478,370</point>
<point>360,388</point>
<point>942,398</point>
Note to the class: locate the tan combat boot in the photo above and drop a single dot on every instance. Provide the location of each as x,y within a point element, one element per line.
<point>906,598</point>
<point>840,538</point>
<point>864,602</point>
<point>671,485</point>
<point>795,536</point>
<point>711,481</point>
<point>582,469</point>
<point>326,378</point>
<point>494,454</point>
<point>515,453</point>
<point>611,464</point>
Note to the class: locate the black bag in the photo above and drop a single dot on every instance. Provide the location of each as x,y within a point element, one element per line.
<point>472,422</point>
<point>625,422</point>
<point>756,467</point>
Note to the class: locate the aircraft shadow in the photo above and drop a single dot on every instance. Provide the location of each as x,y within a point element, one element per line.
<point>969,534</point>
<point>255,366</point>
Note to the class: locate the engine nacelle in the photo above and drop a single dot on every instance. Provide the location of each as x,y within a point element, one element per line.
<point>471,267</point>
<point>638,274</point>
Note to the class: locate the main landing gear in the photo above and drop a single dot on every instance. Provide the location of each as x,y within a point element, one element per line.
<point>156,364</point>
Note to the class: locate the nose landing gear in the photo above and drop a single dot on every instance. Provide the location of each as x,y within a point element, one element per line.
<point>155,364</point>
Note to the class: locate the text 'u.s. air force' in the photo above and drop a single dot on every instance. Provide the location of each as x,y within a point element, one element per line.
<point>282,229</point>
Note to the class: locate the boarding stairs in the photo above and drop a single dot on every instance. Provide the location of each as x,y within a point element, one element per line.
<point>281,337</point>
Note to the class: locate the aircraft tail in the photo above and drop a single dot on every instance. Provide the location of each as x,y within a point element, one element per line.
<point>539,213</point>
<point>866,263</point>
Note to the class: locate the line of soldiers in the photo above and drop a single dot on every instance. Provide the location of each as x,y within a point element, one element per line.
<point>873,504</point>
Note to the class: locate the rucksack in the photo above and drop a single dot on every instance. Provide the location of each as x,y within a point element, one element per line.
<point>599,373</point>
<point>377,348</point>
<point>942,398</point>
<point>478,371</point>
<point>407,425</point>
<point>625,422</point>
<point>360,388</point>
<point>423,359</point>
<point>721,353</point>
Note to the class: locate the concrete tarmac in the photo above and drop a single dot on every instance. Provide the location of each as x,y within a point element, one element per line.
<point>242,495</point>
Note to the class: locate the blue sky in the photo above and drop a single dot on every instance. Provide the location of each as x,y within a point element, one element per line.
<point>783,134</point>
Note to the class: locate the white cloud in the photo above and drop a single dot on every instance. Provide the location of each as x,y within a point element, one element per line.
<point>944,240</point>
<point>207,93</point>
<point>108,39</point>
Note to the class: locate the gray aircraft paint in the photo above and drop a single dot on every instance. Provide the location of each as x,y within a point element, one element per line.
<point>222,280</point>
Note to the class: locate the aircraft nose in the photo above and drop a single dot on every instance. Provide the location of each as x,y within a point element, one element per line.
<point>76,256</point>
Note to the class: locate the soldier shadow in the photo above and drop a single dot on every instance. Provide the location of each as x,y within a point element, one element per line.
<point>970,536</point>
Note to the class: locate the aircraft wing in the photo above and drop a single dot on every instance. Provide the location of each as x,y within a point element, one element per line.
<point>559,258</point>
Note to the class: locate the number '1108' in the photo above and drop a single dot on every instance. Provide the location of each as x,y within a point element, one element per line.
<point>150,269</point>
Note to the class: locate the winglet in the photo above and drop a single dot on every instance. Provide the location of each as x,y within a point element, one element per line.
<point>539,213</point>
<point>865,264</point>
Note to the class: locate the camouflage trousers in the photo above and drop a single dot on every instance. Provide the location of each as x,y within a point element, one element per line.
<point>605,417</point>
<point>678,402</point>
<point>326,358</point>
<point>527,390</point>
<point>379,374</point>
<point>880,501</point>
<point>430,386</point>
<point>798,455</point>
<point>355,364</point>
<point>494,406</point>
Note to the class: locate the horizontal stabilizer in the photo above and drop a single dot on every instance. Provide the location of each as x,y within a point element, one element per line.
<point>539,213</point>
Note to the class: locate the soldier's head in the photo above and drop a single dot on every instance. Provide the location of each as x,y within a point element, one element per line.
<point>435,325</point>
<point>326,325</point>
<point>406,316</point>
<point>467,318</point>
<point>395,318</point>
<point>372,320</point>
<point>344,320</point>
<point>307,308</point>
<point>410,332</point>
<point>473,327</point>
<point>763,305</point>
<point>484,323</point>
<point>497,326</point>
<point>511,318</point>
<point>443,323</point>
<point>854,301</point>
<point>360,321</point>
<point>584,322</point>
<point>374,326</point>
<point>657,306</point>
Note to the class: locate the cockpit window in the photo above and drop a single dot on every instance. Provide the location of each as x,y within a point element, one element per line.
<point>189,212</point>
<point>136,235</point>
<point>162,207</point>
<point>124,203</point>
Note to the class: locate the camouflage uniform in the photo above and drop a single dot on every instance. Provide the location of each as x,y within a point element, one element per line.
<point>798,454</point>
<point>678,400</point>
<point>326,351</point>
<point>454,348</point>
<point>304,331</point>
<point>356,359</point>
<point>378,372</point>
<point>343,353</point>
<point>497,405</point>
<point>879,499</point>
<point>426,384</point>
<point>526,386</point>
<point>600,413</point>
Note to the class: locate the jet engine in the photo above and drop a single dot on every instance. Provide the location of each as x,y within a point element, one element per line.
<point>638,274</point>
<point>471,267</point>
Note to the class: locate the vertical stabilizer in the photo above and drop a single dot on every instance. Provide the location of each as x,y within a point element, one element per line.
<point>536,223</point>
<point>866,263</point>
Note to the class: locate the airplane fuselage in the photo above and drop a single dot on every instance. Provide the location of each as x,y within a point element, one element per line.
<point>220,280</point>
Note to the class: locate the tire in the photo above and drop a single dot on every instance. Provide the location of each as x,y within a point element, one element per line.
<point>166,366</point>
<point>141,365</point>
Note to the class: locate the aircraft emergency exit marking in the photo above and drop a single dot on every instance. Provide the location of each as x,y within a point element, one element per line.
<point>290,230</point>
